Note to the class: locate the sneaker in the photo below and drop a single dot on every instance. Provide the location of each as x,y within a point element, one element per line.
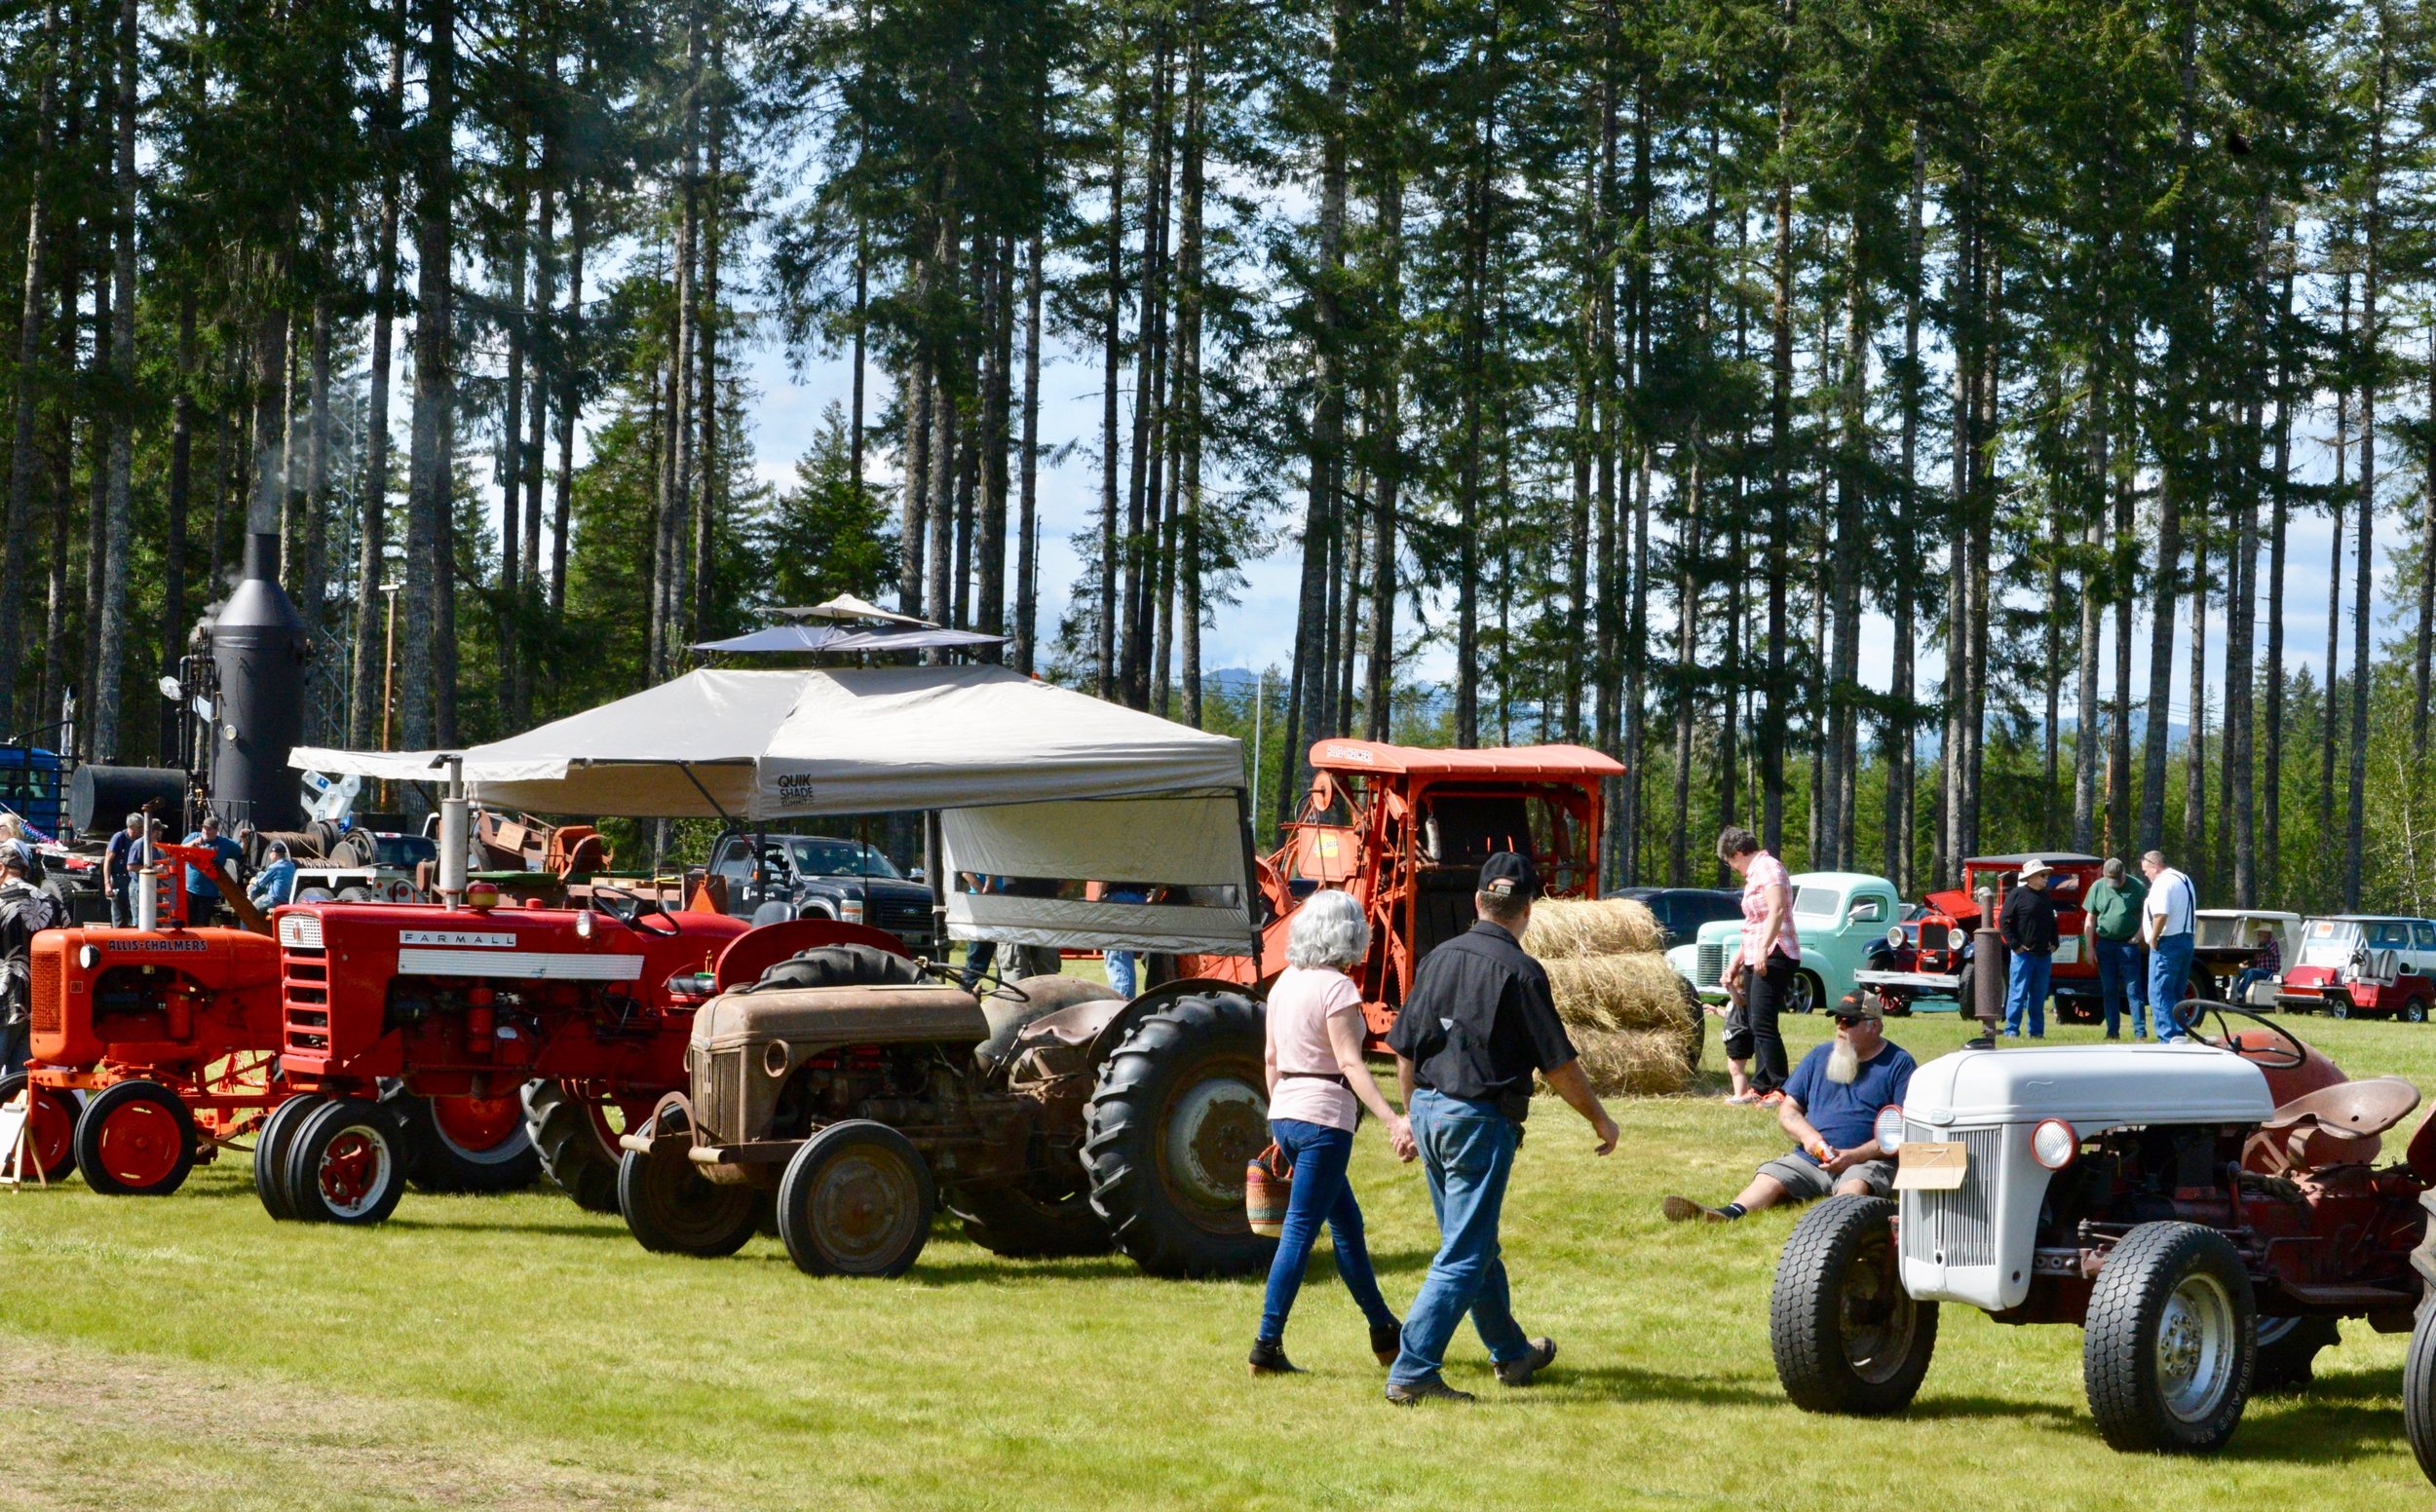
<point>1269,1360</point>
<point>1683,1210</point>
<point>1409,1394</point>
<point>1386,1341</point>
<point>1743,1100</point>
<point>1771,1099</point>
<point>1518,1372</point>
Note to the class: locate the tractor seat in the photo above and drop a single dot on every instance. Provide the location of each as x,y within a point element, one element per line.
<point>2334,1126</point>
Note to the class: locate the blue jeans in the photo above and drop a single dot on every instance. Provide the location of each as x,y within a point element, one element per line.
<point>1467,1151</point>
<point>2169,978</point>
<point>2249,975</point>
<point>2027,993</point>
<point>1120,972</point>
<point>1321,1195</point>
<point>2123,980</point>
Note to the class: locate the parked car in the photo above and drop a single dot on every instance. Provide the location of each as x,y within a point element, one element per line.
<point>2363,964</point>
<point>823,877</point>
<point>1836,915</point>
<point>1908,970</point>
<point>2227,938</point>
<point>1680,911</point>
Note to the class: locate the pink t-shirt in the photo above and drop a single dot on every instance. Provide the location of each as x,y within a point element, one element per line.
<point>1765,872</point>
<point>1300,1002</point>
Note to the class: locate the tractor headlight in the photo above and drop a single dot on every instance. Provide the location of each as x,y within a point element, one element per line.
<point>1890,1128</point>
<point>1894,936</point>
<point>2053,1144</point>
<point>1954,938</point>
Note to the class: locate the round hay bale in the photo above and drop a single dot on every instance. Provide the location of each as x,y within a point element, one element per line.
<point>1606,1000</point>
<point>1631,1063</point>
<point>1563,929</point>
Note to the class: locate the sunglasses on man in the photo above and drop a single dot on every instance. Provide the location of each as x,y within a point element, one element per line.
<point>1848,1020</point>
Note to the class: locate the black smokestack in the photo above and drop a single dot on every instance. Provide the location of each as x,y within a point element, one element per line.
<point>258,649</point>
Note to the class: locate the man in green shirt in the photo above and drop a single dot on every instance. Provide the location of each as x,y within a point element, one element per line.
<point>2113,931</point>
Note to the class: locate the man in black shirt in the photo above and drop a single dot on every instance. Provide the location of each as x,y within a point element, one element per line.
<point>1478,1022</point>
<point>25,911</point>
<point>2027,926</point>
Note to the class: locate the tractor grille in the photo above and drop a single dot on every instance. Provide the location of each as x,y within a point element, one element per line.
<point>1710,965</point>
<point>50,971</point>
<point>718,1079</point>
<point>1956,1227</point>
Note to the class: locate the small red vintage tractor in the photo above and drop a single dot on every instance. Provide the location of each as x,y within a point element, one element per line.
<point>1405,830</point>
<point>1932,957</point>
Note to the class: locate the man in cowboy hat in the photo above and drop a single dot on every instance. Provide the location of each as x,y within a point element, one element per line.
<point>2027,924</point>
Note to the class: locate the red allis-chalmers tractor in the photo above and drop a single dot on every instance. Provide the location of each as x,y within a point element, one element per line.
<point>1405,830</point>
<point>1932,957</point>
<point>171,1035</point>
<point>587,1011</point>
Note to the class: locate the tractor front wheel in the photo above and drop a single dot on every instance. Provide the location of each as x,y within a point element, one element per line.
<point>347,1163</point>
<point>465,1144</point>
<point>573,1145</point>
<point>137,1139</point>
<point>50,1129</point>
<point>2172,1340</point>
<point>1180,1109</point>
<point>857,1200</point>
<point>1847,1335</point>
<point>670,1207</point>
<point>271,1145</point>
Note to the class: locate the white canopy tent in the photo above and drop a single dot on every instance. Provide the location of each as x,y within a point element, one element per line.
<point>1032,782</point>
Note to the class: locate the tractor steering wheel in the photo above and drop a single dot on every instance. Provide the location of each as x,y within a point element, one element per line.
<point>2273,1057</point>
<point>625,907</point>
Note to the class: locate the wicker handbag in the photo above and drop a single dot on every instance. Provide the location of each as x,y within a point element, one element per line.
<point>1268,1187</point>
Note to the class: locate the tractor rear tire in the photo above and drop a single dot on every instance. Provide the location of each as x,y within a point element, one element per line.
<point>347,1163</point>
<point>2171,1341</point>
<point>1180,1109</point>
<point>50,1133</point>
<point>2418,1391</point>
<point>137,1139</point>
<point>672,1209</point>
<point>567,1144</point>
<point>465,1144</point>
<point>857,1200</point>
<point>1846,1336</point>
<point>1017,1221</point>
<point>271,1144</point>
<point>2288,1350</point>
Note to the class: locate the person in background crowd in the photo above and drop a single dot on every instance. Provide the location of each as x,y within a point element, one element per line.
<point>1762,973</point>
<point>2267,964</point>
<point>276,882</point>
<point>1318,1083</point>
<point>2112,929</point>
<point>12,830</point>
<point>2167,921</point>
<point>1830,1110</point>
<point>203,894</point>
<point>1121,962</point>
<point>118,870</point>
<point>1477,1023</point>
<point>1737,1016</point>
<point>2027,926</point>
<point>25,911</point>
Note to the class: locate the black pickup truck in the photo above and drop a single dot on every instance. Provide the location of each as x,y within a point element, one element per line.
<point>822,877</point>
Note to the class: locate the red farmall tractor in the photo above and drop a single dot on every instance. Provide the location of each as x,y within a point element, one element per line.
<point>1405,830</point>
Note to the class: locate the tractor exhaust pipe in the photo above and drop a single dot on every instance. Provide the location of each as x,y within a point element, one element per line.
<point>148,897</point>
<point>1992,966</point>
<point>455,836</point>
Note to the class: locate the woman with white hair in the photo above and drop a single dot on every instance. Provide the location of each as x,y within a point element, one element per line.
<point>1318,1083</point>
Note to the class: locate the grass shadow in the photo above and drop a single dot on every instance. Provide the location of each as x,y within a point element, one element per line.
<point>1635,1384</point>
<point>568,1230</point>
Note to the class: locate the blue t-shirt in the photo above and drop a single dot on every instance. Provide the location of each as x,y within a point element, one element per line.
<point>1845,1113</point>
<point>197,883</point>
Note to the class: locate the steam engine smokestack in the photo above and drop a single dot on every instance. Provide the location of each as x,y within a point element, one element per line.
<point>258,650</point>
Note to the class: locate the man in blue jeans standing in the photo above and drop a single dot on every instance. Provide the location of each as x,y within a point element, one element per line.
<point>1478,1022</point>
<point>2166,922</point>
<point>2027,926</point>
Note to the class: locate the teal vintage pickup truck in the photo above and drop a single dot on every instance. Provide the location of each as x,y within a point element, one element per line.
<point>1837,915</point>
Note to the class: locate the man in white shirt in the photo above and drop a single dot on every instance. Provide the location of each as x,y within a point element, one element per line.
<point>2166,922</point>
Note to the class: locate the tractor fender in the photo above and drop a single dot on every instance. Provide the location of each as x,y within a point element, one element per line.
<point>758,949</point>
<point>1125,1015</point>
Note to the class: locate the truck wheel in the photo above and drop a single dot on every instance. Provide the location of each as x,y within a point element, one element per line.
<point>1179,1111</point>
<point>347,1163</point>
<point>2171,1341</point>
<point>465,1144</point>
<point>50,1128</point>
<point>569,1144</point>
<point>2288,1349</point>
<point>1023,1221</point>
<point>271,1145</point>
<point>671,1207</point>
<point>856,1200</point>
<point>1806,995</point>
<point>136,1139</point>
<point>1846,1336</point>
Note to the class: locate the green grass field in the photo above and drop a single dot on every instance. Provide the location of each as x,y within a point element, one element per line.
<point>518,1352</point>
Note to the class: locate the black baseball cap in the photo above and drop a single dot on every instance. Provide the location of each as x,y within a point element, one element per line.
<point>1509,874</point>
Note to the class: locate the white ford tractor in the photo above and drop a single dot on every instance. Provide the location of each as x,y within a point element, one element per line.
<point>2207,1211</point>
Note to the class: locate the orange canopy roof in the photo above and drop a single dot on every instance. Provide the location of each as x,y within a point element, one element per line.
<point>1527,762</point>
